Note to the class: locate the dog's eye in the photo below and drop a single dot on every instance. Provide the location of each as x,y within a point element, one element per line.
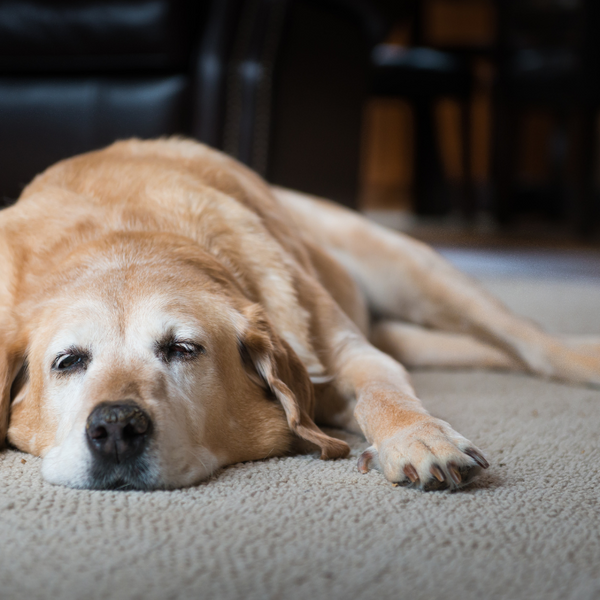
<point>175,350</point>
<point>69,362</point>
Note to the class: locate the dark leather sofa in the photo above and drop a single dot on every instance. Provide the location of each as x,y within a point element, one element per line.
<point>279,84</point>
<point>77,75</point>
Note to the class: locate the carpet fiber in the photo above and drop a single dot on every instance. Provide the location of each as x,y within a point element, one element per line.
<point>301,528</point>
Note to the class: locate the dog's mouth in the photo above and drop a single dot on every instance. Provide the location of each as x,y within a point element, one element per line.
<point>137,475</point>
<point>122,486</point>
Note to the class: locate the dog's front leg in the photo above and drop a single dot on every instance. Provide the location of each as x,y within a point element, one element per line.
<point>411,446</point>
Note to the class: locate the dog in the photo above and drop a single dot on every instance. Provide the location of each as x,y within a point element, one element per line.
<point>164,312</point>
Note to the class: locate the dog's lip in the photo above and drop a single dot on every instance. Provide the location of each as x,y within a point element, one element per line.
<point>135,475</point>
<point>120,483</point>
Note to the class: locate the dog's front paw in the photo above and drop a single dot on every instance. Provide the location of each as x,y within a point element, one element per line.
<point>429,455</point>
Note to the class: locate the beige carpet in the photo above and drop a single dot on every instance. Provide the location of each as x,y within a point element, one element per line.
<point>299,528</point>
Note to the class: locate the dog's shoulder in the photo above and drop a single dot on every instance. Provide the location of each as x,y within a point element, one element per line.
<point>152,184</point>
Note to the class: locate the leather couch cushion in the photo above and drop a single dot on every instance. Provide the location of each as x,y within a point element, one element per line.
<point>51,35</point>
<point>44,121</point>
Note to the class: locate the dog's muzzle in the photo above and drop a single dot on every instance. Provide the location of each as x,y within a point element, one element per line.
<point>118,432</point>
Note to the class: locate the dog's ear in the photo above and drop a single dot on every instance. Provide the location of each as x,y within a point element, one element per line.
<point>11,362</point>
<point>271,362</point>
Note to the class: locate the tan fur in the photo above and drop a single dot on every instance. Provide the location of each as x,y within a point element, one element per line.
<point>113,248</point>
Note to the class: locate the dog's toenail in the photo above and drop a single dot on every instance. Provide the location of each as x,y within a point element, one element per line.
<point>365,459</point>
<point>477,457</point>
<point>437,473</point>
<point>454,474</point>
<point>411,473</point>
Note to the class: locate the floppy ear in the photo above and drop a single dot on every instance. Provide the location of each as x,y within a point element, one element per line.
<point>273,364</point>
<point>10,364</point>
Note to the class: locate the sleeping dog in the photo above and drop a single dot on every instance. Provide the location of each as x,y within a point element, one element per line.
<point>164,312</point>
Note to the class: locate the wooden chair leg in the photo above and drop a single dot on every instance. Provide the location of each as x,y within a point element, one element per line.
<point>469,202</point>
<point>585,201</point>
<point>504,164</point>
<point>429,197</point>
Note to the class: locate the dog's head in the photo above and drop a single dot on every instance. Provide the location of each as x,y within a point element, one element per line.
<point>142,363</point>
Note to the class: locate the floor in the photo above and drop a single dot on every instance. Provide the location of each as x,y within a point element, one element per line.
<point>525,262</point>
<point>298,527</point>
<point>484,251</point>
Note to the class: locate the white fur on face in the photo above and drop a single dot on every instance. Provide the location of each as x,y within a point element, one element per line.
<point>122,343</point>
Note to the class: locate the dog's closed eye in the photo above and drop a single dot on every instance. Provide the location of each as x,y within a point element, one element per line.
<point>172,349</point>
<point>71,360</point>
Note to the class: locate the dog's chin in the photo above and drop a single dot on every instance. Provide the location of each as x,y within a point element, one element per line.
<point>72,464</point>
<point>122,477</point>
<point>137,475</point>
<point>143,474</point>
<point>64,468</point>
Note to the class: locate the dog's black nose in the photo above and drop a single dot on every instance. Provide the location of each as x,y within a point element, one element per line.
<point>118,431</point>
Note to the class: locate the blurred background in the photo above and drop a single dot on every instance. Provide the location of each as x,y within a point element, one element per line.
<point>471,124</point>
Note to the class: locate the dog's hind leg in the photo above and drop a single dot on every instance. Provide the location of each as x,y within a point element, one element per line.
<point>404,279</point>
<point>415,346</point>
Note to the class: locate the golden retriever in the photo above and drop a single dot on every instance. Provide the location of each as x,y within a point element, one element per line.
<point>164,312</point>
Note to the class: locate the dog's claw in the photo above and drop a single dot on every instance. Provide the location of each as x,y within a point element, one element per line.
<point>411,473</point>
<point>454,474</point>
<point>477,457</point>
<point>364,460</point>
<point>437,473</point>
